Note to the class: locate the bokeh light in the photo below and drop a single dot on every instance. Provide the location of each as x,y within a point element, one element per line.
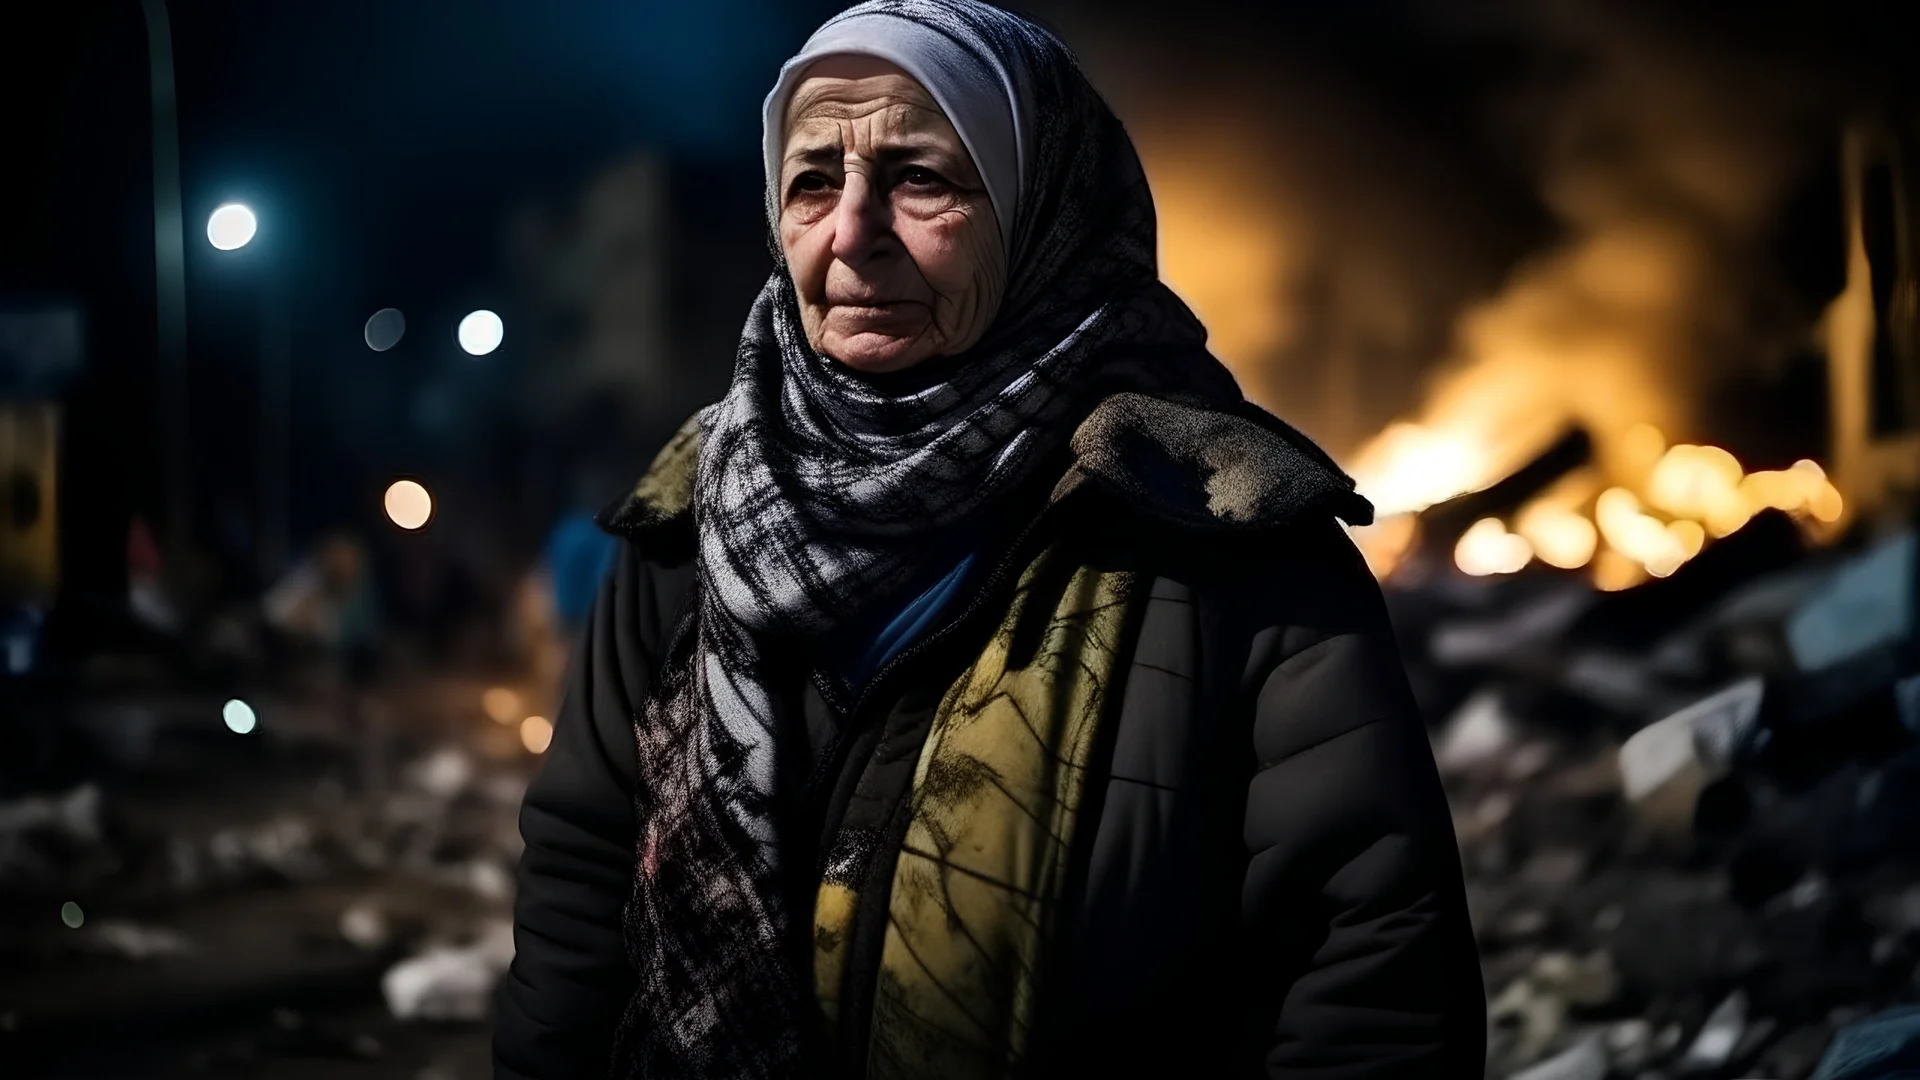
<point>501,704</point>
<point>385,328</point>
<point>71,914</point>
<point>536,734</point>
<point>408,504</point>
<point>231,226</point>
<point>239,716</point>
<point>481,332</point>
<point>1560,537</point>
<point>1488,548</point>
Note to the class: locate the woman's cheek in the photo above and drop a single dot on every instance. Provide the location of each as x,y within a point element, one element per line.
<point>951,257</point>
<point>805,248</point>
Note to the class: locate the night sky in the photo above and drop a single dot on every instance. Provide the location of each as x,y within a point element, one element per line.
<point>382,145</point>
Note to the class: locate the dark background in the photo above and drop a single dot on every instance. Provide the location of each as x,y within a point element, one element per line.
<point>1501,219</point>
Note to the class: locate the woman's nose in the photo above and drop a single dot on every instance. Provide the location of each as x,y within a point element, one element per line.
<point>861,225</point>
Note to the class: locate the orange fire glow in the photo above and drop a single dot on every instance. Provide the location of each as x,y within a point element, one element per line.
<point>1488,548</point>
<point>1603,334</point>
<point>1560,537</point>
<point>1585,337</point>
<point>1691,494</point>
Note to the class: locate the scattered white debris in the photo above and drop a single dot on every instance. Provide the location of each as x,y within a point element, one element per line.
<point>450,982</point>
<point>1584,1060</point>
<point>1477,736</point>
<point>1629,1042</point>
<point>136,942</point>
<point>1536,1018</point>
<point>489,880</point>
<point>1582,980</point>
<point>443,774</point>
<point>1719,1035</point>
<point>75,814</point>
<point>284,846</point>
<point>365,927</point>
<point>1664,765</point>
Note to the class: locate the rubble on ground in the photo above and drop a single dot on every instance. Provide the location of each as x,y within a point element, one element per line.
<point>421,876</point>
<point>1685,810</point>
<point>451,981</point>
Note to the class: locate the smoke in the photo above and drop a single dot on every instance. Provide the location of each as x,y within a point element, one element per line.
<point>1667,161</point>
<point>1494,219</point>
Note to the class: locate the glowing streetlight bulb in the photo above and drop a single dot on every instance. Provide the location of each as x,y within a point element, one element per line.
<point>408,504</point>
<point>239,716</point>
<point>231,226</point>
<point>481,331</point>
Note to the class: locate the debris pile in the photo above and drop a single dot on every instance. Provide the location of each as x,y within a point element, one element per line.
<point>343,884</point>
<point>1686,809</point>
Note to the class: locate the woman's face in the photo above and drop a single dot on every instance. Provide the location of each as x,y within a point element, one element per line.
<point>888,232</point>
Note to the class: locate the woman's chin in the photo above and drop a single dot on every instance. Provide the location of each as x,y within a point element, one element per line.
<point>876,353</point>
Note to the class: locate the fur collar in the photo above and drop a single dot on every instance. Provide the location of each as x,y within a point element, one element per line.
<point>1236,469</point>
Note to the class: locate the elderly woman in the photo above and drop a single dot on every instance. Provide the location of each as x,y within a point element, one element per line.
<point>983,687</point>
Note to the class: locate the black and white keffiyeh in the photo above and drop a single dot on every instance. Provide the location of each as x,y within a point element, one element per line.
<point>818,487</point>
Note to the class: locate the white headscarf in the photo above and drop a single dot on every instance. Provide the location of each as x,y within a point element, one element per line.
<point>980,96</point>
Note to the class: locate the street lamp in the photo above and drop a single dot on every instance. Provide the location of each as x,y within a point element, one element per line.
<point>480,332</point>
<point>170,277</point>
<point>231,226</point>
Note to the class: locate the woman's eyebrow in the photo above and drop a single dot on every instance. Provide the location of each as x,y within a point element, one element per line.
<point>900,150</point>
<point>823,154</point>
<point>895,151</point>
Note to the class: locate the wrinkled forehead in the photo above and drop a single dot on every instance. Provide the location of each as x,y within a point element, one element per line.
<point>826,101</point>
<point>851,81</point>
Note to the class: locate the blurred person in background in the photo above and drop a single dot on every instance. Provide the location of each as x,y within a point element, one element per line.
<point>552,600</point>
<point>328,608</point>
<point>576,557</point>
<point>328,602</point>
<point>982,686</point>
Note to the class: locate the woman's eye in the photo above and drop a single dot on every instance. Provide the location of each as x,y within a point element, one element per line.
<point>808,183</point>
<point>916,176</point>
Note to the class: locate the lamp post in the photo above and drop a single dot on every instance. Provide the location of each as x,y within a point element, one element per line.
<point>231,227</point>
<point>170,278</point>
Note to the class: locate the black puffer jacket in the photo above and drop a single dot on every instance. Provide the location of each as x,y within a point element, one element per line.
<point>1266,880</point>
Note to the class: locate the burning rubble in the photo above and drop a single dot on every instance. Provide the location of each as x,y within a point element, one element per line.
<point>1677,707</point>
<point>1676,691</point>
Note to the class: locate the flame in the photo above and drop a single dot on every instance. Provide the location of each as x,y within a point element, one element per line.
<point>1560,537</point>
<point>1229,259</point>
<point>1613,572</point>
<point>1701,483</point>
<point>1409,467</point>
<point>1802,488</point>
<point>1618,332</point>
<point>1636,534</point>
<point>1700,493</point>
<point>1488,548</point>
<point>1581,338</point>
<point>1386,542</point>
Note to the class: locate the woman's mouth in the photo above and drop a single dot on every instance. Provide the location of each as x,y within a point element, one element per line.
<point>870,314</point>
